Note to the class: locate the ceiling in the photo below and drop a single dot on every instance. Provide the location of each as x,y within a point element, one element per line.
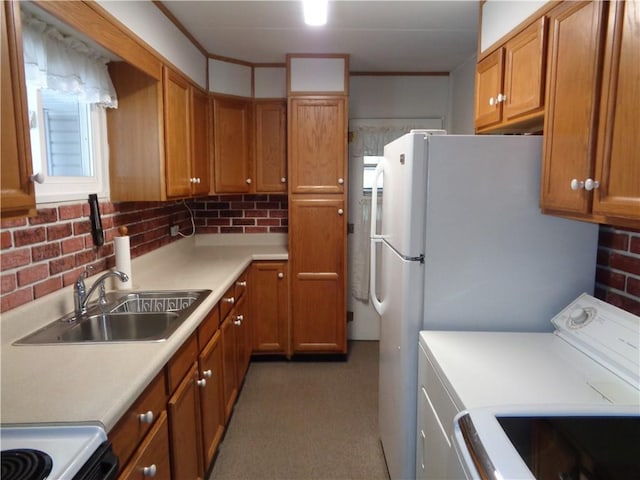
<point>380,36</point>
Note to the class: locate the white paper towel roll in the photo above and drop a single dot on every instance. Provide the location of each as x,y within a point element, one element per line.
<point>123,259</point>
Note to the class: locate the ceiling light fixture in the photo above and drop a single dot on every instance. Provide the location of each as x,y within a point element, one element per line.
<point>315,12</point>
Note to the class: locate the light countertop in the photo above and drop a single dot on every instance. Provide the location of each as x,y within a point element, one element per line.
<point>96,383</point>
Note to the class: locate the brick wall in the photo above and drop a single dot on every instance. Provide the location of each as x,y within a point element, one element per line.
<point>47,252</point>
<point>618,267</point>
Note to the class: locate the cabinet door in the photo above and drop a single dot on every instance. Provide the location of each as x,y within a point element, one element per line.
<point>270,147</point>
<point>184,425</point>
<point>18,195</point>
<point>211,401</point>
<point>318,258</point>
<point>571,107</point>
<point>270,298</point>
<point>618,155</point>
<point>488,85</point>
<point>201,157</point>
<point>232,148</point>
<point>229,375</point>
<point>177,127</point>
<point>242,323</point>
<point>152,458</point>
<point>317,144</point>
<point>524,73</point>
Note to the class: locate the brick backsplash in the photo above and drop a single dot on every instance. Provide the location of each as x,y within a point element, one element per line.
<point>47,252</point>
<point>618,267</point>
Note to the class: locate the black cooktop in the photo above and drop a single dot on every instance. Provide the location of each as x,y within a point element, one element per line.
<point>25,464</point>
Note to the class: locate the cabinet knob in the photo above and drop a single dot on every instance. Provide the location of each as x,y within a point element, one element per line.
<point>241,284</point>
<point>283,180</point>
<point>238,320</point>
<point>230,300</point>
<point>492,101</point>
<point>280,275</point>
<point>341,181</point>
<point>591,184</point>
<point>576,184</point>
<point>150,471</point>
<point>501,98</point>
<point>248,180</point>
<point>201,383</point>
<point>37,178</point>
<point>146,417</point>
<point>207,374</point>
<point>340,211</point>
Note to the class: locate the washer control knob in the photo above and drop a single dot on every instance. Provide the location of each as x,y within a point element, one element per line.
<point>578,316</point>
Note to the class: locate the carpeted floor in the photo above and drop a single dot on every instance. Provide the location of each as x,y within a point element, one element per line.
<point>304,419</point>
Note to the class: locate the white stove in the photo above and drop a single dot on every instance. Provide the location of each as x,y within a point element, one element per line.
<point>60,452</point>
<point>477,388</point>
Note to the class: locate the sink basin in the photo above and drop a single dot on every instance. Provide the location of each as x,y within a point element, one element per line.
<point>126,317</point>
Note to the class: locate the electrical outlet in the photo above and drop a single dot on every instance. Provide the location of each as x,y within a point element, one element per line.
<point>174,229</point>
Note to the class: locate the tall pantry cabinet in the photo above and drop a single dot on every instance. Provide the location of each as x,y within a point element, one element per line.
<point>317,89</point>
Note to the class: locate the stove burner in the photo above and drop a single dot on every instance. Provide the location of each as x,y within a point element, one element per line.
<point>25,464</point>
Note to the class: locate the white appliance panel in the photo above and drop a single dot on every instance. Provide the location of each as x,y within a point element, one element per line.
<point>398,361</point>
<point>493,261</point>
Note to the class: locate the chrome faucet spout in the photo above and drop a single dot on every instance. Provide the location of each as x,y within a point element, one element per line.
<point>82,296</point>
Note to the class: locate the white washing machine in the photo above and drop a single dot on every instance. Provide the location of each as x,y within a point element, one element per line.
<point>504,405</point>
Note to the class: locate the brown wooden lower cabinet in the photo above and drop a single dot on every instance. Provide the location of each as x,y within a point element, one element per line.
<point>211,399</point>
<point>270,308</point>
<point>241,323</point>
<point>151,458</point>
<point>229,361</point>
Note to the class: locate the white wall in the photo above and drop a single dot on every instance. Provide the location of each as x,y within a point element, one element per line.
<point>230,78</point>
<point>500,17</point>
<point>462,95</point>
<point>152,26</point>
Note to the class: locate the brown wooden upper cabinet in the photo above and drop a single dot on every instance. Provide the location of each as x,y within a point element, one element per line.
<point>510,83</point>
<point>18,195</point>
<point>317,144</point>
<point>591,164</point>
<point>232,144</point>
<point>270,146</point>
<point>158,136</point>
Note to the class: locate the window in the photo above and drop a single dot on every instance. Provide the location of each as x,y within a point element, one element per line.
<point>369,172</point>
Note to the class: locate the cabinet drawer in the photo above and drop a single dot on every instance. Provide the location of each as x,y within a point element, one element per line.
<point>226,302</point>
<point>153,455</point>
<point>181,362</point>
<point>135,424</point>
<point>208,327</point>
<point>241,285</point>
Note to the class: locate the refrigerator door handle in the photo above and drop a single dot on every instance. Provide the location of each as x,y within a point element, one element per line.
<point>377,304</point>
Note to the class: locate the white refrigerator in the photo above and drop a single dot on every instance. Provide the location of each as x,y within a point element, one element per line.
<point>458,243</point>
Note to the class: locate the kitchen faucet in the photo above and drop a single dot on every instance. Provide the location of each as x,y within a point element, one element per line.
<point>81,295</point>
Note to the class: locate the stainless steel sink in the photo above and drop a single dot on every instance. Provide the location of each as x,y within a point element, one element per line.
<point>126,317</point>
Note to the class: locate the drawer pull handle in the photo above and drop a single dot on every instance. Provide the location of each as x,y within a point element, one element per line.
<point>150,471</point>
<point>207,374</point>
<point>242,283</point>
<point>201,383</point>
<point>230,300</point>
<point>280,275</point>
<point>146,417</point>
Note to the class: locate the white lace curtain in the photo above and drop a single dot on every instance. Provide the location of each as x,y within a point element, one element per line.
<point>367,141</point>
<point>59,62</point>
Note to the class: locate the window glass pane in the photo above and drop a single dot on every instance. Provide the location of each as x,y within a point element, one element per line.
<point>66,135</point>
<point>368,174</point>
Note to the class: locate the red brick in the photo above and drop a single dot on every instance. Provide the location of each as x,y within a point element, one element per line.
<point>44,215</point>
<point>278,230</point>
<point>68,212</point>
<point>278,214</point>
<point>15,258</point>
<point>46,287</point>
<point>231,230</point>
<point>268,222</point>
<point>45,252</point>
<point>69,278</point>
<point>633,287</point>
<point>13,222</point>
<point>602,257</point>
<point>62,264</point>
<point>15,299</point>
<point>256,230</point>
<point>56,232</point>
<point>610,278</point>
<point>32,274</point>
<point>256,213</point>
<point>268,205</point>
<point>208,230</point>
<point>5,239</point>
<point>8,283</point>
<point>242,205</point>
<point>243,221</point>
<point>73,244</point>
<point>85,257</point>
<point>613,240</point>
<point>635,245</point>
<point>81,227</point>
<point>106,208</point>
<point>29,236</point>
<point>625,263</point>
<point>624,302</point>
